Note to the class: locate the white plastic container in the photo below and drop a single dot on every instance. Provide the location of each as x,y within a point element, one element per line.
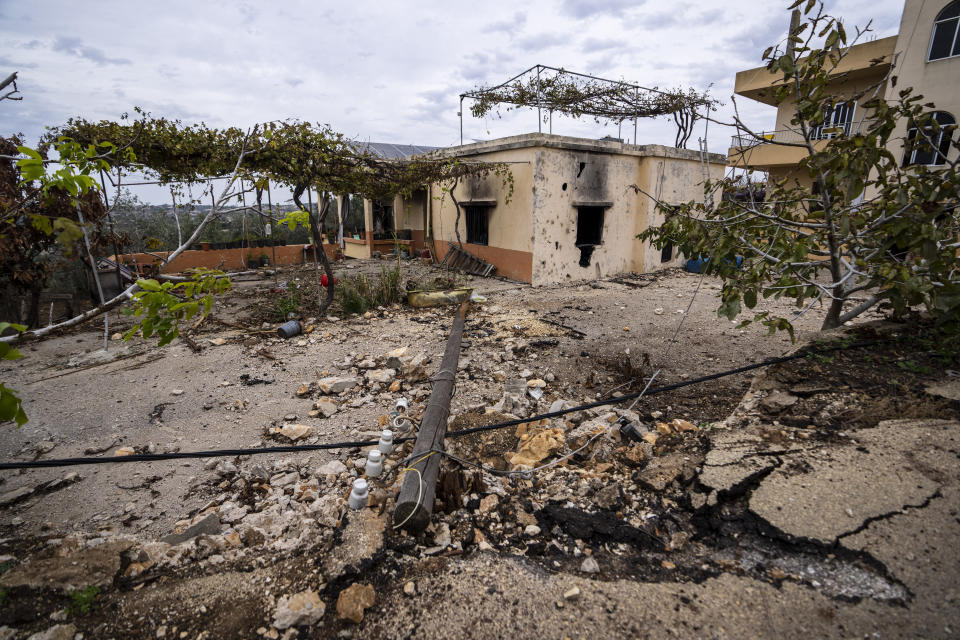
<point>402,405</point>
<point>386,445</point>
<point>374,466</point>
<point>359,494</point>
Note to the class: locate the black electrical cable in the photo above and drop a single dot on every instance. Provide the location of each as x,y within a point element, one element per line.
<point>656,390</point>
<point>153,457</point>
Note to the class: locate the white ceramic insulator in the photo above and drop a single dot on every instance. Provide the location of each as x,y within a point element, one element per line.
<point>359,494</point>
<point>386,445</point>
<point>374,466</point>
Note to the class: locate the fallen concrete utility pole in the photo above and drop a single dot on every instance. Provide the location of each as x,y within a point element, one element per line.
<point>415,502</point>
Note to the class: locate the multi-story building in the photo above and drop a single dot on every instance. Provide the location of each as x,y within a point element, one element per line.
<point>924,55</point>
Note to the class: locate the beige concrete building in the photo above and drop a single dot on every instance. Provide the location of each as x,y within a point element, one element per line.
<point>925,55</point>
<point>573,214</point>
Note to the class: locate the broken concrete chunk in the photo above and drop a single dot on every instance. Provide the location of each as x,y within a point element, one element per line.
<point>777,401</point>
<point>208,525</point>
<point>283,479</point>
<point>300,609</point>
<point>354,600</point>
<point>949,389</point>
<point>57,632</point>
<point>16,495</point>
<point>336,384</point>
<point>661,471</point>
<point>326,407</point>
<point>70,569</point>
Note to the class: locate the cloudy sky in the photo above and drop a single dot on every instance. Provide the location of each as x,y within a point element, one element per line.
<point>380,71</point>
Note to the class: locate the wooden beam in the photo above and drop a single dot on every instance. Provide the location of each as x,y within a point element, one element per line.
<point>415,502</point>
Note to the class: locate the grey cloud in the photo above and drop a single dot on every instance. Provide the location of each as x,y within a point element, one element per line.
<point>590,8</point>
<point>510,27</point>
<point>75,47</point>
<point>293,82</point>
<point>591,45</point>
<point>8,63</point>
<point>543,40</point>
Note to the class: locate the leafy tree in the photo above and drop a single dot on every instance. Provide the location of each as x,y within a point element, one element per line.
<point>869,230</point>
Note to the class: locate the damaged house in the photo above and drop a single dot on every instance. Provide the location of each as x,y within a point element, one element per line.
<point>574,212</point>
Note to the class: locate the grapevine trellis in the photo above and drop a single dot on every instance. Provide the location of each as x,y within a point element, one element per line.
<point>551,89</point>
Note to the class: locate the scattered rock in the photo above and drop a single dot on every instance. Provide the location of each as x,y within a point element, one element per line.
<point>383,376</point>
<point>124,451</point>
<point>531,530</point>
<point>589,565</point>
<point>489,503</point>
<point>300,609</point>
<point>410,588</point>
<point>334,385</point>
<point>354,600</point>
<point>58,632</point>
<point>536,446</point>
<point>295,431</point>
<point>334,467</point>
<point>177,392</point>
<point>574,592</point>
<point>398,357</point>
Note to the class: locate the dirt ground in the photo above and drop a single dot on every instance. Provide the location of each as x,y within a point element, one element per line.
<point>818,497</point>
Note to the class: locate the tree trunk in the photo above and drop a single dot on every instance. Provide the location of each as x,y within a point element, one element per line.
<point>832,321</point>
<point>316,234</point>
<point>33,308</point>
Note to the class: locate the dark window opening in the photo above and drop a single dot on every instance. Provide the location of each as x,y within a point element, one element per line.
<point>382,221</point>
<point>666,254</point>
<point>589,232</point>
<point>478,225</point>
<point>931,144</point>
<point>946,33</point>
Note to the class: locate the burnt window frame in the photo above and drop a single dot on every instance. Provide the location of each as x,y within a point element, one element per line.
<point>949,14</point>
<point>474,226</point>
<point>584,242</point>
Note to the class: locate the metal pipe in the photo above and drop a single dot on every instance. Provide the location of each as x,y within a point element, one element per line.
<point>460,113</point>
<point>539,118</point>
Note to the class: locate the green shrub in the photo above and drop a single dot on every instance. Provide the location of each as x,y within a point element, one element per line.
<point>82,600</point>
<point>388,290</point>
<point>287,304</point>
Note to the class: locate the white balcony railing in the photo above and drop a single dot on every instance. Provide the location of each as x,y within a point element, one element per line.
<point>822,132</point>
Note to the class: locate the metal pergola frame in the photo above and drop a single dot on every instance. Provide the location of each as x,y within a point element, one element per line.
<point>538,68</point>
